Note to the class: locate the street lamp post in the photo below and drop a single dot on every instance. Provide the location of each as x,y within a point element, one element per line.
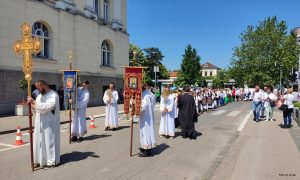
<point>156,70</point>
<point>280,77</point>
<point>297,33</point>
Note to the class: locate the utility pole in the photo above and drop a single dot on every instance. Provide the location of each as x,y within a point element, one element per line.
<point>156,70</point>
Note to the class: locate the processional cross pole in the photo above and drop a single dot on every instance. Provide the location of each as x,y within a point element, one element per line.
<point>26,46</point>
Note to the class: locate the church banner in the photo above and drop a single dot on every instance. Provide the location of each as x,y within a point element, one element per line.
<point>133,82</point>
<point>70,89</point>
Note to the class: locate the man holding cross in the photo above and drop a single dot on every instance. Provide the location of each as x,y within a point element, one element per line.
<point>46,142</point>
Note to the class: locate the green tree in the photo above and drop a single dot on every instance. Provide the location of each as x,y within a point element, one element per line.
<point>189,73</point>
<point>153,57</point>
<point>262,46</point>
<point>22,84</point>
<point>140,57</point>
<point>220,79</point>
<point>149,57</point>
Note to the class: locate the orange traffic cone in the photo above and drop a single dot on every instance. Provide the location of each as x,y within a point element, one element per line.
<point>19,137</point>
<point>92,123</point>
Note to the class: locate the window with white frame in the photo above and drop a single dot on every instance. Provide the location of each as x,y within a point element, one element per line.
<point>105,10</point>
<point>106,54</point>
<point>41,31</point>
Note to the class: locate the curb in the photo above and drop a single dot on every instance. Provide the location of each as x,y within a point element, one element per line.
<point>62,122</point>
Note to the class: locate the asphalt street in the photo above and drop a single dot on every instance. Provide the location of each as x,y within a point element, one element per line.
<point>105,154</point>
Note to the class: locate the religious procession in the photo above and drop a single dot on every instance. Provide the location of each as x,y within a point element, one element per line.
<point>143,90</point>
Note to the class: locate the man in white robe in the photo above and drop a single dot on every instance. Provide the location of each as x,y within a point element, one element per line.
<point>78,126</point>
<point>46,141</point>
<point>110,98</point>
<point>147,137</point>
<point>167,124</point>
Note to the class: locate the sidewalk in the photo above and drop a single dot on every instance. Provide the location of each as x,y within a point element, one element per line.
<point>9,124</point>
<point>263,151</point>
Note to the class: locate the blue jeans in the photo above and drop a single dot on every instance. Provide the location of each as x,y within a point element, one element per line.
<point>221,101</point>
<point>287,117</point>
<point>256,108</point>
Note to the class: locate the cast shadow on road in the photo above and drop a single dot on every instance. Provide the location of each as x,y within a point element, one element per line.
<point>96,136</point>
<point>178,134</point>
<point>159,149</point>
<point>76,156</point>
<point>122,127</point>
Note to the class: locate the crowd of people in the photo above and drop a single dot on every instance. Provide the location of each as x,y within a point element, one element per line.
<point>267,99</point>
<point>179,108</point>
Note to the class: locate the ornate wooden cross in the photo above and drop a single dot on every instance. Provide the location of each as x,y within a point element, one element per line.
<point>27,46</point>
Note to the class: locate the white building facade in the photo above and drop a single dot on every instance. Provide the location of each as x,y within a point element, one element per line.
<point>94,30</point>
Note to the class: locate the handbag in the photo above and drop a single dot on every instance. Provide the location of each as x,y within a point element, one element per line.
<point>283,107</point>
<point>272,103</point>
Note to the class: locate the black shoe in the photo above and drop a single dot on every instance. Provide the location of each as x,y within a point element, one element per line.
<point>113,129</point>
<point>143,154</point>
<point>107,128</point>
<point>142,150</point>
<point>289,126</point>
<point>80,139</point>
<point>74,138</point>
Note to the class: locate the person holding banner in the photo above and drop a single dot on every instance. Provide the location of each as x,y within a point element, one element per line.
<point>110,98</point>
<point>78,125</point>
<point>167,124</point>
<point>46,141</point>
<point>147,137</point>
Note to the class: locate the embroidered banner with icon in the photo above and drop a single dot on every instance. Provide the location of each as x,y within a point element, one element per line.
<point>133,82</point>
<point>70,89</point>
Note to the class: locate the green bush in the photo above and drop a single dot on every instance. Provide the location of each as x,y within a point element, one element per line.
<point>297,104</point>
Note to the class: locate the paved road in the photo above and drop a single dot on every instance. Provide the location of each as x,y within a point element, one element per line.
<point>105,155</point>
<point>263,151</point>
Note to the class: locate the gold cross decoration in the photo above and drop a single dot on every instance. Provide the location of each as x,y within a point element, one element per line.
<point>27,46</point>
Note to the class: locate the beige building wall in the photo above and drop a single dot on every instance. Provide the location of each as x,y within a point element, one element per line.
<point>68,31</point>
<point>208,71</point>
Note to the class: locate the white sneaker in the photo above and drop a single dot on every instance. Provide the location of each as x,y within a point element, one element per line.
<point>272,119</point>
<point>267,120</point>
<point>160,136</point>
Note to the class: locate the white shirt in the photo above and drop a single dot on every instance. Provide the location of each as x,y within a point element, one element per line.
<point>288,100</point>
<point>258,96</point>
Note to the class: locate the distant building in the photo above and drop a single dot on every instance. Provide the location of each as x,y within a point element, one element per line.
<point>173,75</point>
<point>209,70</point>
<point>95,31</point>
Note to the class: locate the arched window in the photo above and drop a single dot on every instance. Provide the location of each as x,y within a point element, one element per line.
<point>40,30</point>
<point>106,54</point>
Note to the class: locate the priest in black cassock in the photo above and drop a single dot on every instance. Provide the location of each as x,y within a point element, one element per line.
<point>187,114</point>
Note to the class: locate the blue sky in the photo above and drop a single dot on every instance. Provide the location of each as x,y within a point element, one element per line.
<point>212,27</point>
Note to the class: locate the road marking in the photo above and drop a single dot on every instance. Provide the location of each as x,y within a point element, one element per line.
<point>244,122</point>
<point>233,113</point>
<point>14,147</point>
<point>218,112</point>
<point>9,145</point>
